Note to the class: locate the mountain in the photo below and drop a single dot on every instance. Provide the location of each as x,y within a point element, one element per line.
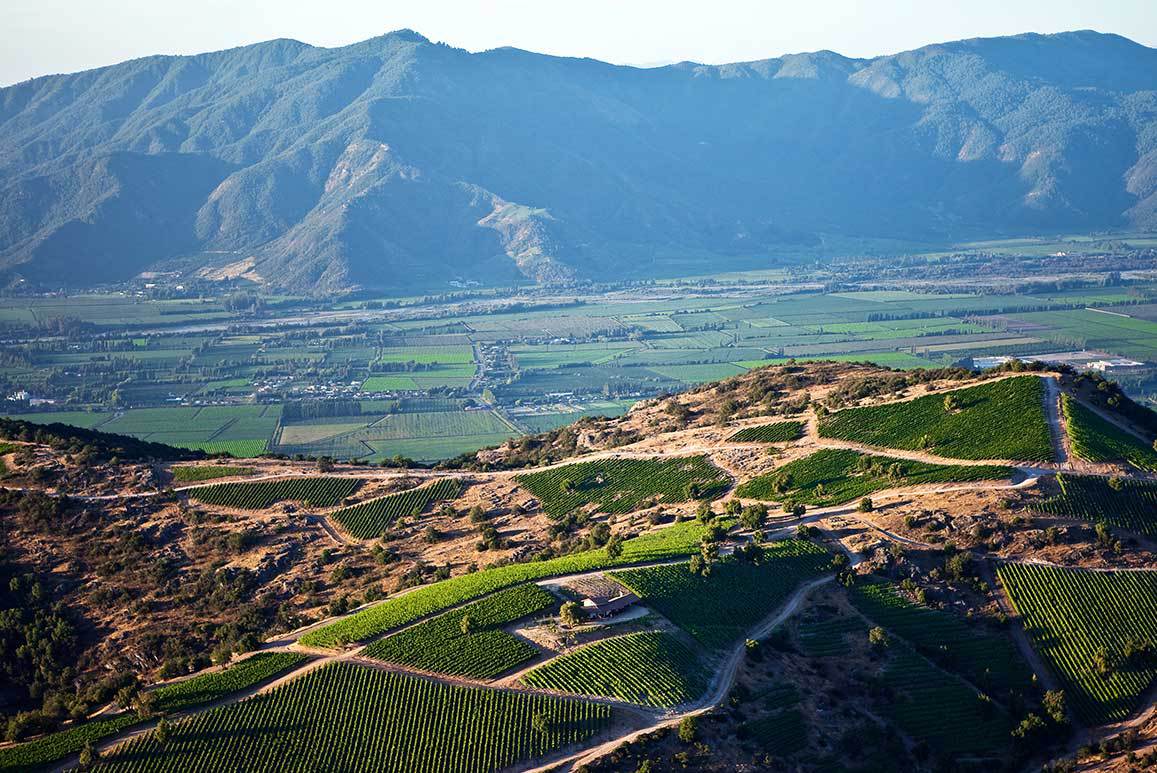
<point>401,164</point>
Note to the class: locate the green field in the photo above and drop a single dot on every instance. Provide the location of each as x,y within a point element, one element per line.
<point>835,476</point>
<point>678,540</point>
<point>777,432</point>
<point>1126,503</point>
<point>624,485</point>
<point>195,691</point>
<point>205,688</point>
<point>442,646</point>
<point>195,473</point>
<point>649,668</point>
<point>989,661</point>
<point>941,710</point>
<point>1076,618</point>
<point>721,607</point>
<point>1097,440</point>
<point>999,420</point>
<point>781,734</point>
<point>422,435</point>
<point>369,519</point>
<point>317,491</point>
<point>348,717</point>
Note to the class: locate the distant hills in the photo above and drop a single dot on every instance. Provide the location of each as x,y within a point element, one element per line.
<point>401,164</point>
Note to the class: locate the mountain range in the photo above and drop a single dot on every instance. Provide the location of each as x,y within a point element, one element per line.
<point>400,164</point>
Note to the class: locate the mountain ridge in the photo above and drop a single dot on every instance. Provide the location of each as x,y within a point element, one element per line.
<point>396,163</point>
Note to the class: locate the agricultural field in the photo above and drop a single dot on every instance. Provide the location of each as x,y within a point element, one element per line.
<point>1125,503</point>
<point>477,648</point>
<point>941,710</point>
<point>1002,419</point>
<point>242,430</point>
<point>622,485</point>
<point>317,491</point>
<point>1097,440</point>
<point>719,608</point>
<point>195,691</point>
<point>989,661</point>
<point>370,519</point>
<point>677,541</point>
<point>366,719</point>
<point>777,432</point>
<point>197,473</point>
<point>835,476</point>
<point>1095,629</point>
<point>781,734</point>
<point>422,435</point>
<point>205,688</point>
<point>651,668</point>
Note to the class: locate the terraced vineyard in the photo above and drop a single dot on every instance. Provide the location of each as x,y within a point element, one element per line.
<point>56,746</point>
<point>442,646</point>
<point>352,718</point>
<point>834,476</point>
<point>1097,440</point>
<point>989,661</point>
<point>779,432</point>
<point>206,688</point>
<point>369,519</point>
<point>258,495</point>
<point>941,710</point>
<point>828,638</point>
<point>650,668</point>
<point>678,540</point>
<point>1082,623</point>
<point>1127,503</point>
<point>622,485</point>
<point>195,473</point>
<point>999,420</point>
<point>180,695</point>
<point>781,734</point>
<point>723,606</point>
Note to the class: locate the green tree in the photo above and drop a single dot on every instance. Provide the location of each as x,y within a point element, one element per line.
<point>467,625</point>
<point>878,638</point>
<point>1054,705</point>
<point>614,546</point>
<point>88,756</point>
<point>571,614</point>
<point>866,505</point>
<point>688,729</point>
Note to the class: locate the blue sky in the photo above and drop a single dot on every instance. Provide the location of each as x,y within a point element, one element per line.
<point>38,37</point>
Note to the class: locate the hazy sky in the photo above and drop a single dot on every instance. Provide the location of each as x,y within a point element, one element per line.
<point>38,37</point>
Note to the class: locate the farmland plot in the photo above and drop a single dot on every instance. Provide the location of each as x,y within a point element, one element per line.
<point>677,541</point>
<point>999,420</point>
<point>1095,629</point>
<point>369,519</point>
<point>1097,440</point>
<point>943,711</point>
<point>649,668</point>
<point>623,485</point>
<point>834,476</point>
<point>1126,503</point>
<point>443,645</point>
<point>778,432</point>
<point>261,494</point>
<point>721,607</point>
<point>987,660</point>
<point>348,717</point>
